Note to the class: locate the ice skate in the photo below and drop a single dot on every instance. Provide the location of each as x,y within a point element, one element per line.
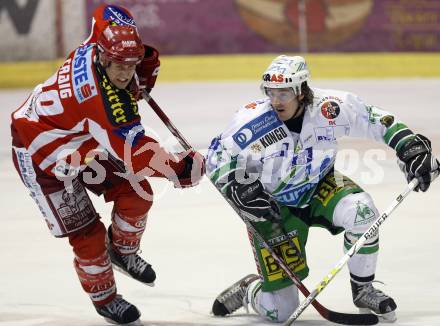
<point>234,297</point>
<point>119,311</point>
<point>368,299</point>
<point>132,265</point>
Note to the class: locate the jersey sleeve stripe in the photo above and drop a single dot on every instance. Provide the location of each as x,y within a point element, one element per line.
<point>49,136</point>
<point>64,150</point>
<point>223,170</point>
<point>398,136</point>
<point>395,133</point>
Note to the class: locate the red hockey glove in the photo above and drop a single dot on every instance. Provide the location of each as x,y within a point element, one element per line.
<point>193,170</point>
<point>148,69</point>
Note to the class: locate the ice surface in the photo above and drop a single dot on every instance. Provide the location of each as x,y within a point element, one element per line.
<point>198,246</point>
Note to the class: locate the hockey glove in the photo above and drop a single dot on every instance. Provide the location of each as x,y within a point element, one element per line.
<point>253,201</point>
<point>148,69</point>
<point>193,169</point>
<point>416,161</point>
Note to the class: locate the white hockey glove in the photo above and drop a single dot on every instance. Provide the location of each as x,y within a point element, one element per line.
<point>253,201</point>
<point>416,161</point>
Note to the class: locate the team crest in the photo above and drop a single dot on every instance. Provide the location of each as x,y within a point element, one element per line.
<point>330,110</point>
<point>256,148</point>
<point>364,214</point>
<point>117,17</point>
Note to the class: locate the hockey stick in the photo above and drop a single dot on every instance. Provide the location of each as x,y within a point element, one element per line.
<point>371,232</point>
<point>333,316</point>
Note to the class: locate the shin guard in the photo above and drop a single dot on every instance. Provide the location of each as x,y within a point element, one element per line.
<point>96,277</point>
<point>129,216</point>
<point>92,263</point>
<point>127,233</point>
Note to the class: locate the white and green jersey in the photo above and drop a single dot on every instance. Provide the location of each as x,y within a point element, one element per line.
<point>289,164</point>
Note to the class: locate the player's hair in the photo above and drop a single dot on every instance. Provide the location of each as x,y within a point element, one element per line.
<point>308,95</point>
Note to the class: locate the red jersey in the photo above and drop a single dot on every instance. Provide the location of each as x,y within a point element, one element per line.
<point>78,111</point>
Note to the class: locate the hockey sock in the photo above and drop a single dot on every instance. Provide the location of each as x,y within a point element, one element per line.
<point>96,277</point>
<point>127,233</point>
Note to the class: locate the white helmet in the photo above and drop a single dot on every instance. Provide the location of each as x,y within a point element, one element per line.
<point>284,72</point>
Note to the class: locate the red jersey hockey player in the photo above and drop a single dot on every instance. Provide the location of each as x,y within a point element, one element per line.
<point>76,131</point>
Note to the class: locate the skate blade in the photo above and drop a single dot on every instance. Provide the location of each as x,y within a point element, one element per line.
<point>133,323</point>
<point>121,270</point>
<point>389,317</point>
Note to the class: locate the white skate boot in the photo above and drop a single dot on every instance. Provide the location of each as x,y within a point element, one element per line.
<point>368,299</point>
<point>234,297</point>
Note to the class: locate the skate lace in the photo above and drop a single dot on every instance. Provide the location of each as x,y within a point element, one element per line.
<point>135,263</point>
<point>234,298</point>
<point>118,306</point>
<point>370,295</point>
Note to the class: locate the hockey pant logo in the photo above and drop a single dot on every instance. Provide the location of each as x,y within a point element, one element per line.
<point>289,255</point>
<point>65,210</point>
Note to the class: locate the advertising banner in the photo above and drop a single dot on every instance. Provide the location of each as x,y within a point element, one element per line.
<point>40,29</point>
<point>27,30</point>
<point>259,26</point>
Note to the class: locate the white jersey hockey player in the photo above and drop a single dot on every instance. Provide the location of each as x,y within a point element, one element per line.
<point>282,149</point>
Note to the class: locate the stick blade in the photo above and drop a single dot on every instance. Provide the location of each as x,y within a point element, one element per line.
<point>351,319</point>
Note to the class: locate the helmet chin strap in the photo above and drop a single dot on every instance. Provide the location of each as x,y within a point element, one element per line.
<point>298,112</point>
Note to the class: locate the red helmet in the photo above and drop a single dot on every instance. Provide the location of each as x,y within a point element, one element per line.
<point>121,44</point>
<point>106,15</point>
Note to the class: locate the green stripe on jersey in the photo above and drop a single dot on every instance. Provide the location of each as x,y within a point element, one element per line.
<point>223,170</point>
<point>285,181</point>
<point>392,132</point>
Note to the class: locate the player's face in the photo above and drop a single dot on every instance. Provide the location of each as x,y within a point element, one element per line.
<point>120,75</point>
<point>284,101</point>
